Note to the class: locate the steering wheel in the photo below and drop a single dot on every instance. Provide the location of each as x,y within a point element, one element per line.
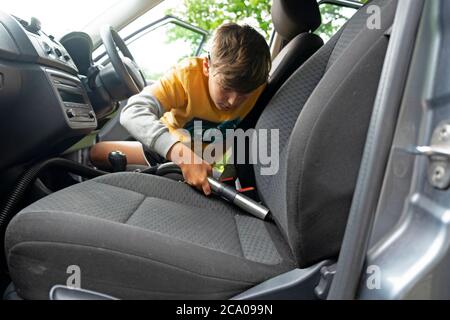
<point>126,69</point>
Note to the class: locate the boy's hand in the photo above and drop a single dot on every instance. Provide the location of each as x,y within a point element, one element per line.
<point>195,170</point>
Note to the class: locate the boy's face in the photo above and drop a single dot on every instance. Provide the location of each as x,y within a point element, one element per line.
<point>224,99</point>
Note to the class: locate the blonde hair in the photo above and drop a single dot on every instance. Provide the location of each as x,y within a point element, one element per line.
<point>240,57</point>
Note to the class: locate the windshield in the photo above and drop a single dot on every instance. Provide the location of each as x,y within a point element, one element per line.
<point>59,17</point>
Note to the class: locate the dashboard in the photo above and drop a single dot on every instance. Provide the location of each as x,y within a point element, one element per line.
<point>44,105</point>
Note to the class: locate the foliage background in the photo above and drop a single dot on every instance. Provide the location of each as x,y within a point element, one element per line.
<point>210,14</point>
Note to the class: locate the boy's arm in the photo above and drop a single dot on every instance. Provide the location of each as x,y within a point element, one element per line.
<point>141,117</point>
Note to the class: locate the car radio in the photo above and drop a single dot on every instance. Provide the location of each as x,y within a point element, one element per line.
<point>73,98</point>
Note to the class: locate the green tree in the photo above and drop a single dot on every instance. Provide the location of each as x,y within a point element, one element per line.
<point>333,18</point>
<point>210,14</point>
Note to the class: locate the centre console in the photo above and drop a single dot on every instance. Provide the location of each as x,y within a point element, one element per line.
<point>73,99</point>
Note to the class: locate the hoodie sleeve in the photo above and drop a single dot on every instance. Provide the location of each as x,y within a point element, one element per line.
<point>141,117</point>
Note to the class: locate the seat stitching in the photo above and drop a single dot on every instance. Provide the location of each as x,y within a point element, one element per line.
<point>239,237</point>
<point>136,209</point>
<point>227,208</point>
<point>192,242</point>
<point>280,262</point>
<point>115,187</point>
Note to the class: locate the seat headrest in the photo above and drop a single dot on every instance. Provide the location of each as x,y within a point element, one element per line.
<point>292,17</point>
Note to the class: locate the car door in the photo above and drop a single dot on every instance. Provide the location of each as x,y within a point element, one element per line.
<point>396,244</point>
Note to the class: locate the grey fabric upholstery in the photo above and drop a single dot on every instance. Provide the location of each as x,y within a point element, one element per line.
<point>137,236</point>
<point>293,17</point>
<point>322,114</point>
<point>298,47</point>
<point>293,55</point>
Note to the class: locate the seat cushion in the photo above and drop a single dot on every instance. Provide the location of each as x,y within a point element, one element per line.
<point>137,236</point>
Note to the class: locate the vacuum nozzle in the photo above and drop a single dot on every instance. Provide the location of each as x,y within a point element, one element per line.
<point>245,203</point>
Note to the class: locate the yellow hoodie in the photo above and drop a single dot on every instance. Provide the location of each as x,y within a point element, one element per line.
<point>176,101</point>
<point>183,93</point>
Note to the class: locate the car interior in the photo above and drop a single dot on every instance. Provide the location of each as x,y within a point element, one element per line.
<point>144,234</point>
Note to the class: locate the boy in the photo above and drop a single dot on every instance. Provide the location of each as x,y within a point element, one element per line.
<point>219,91</point>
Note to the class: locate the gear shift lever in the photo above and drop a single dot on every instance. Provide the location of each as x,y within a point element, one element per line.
<point>118,161</point>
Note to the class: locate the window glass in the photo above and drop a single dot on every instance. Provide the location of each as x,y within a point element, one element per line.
<point>158,50</point>
<point>160,47</point>
<point>333,18</point>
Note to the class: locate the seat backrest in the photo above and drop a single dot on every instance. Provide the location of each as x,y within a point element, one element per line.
<point>322,113</point>
<point>295,21</point>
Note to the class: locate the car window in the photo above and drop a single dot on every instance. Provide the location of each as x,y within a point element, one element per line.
<point>334,15</point>
<point>160,47</point>
<point>158,50</point>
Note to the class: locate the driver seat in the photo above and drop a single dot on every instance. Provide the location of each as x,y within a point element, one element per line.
<point>135,236</point>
